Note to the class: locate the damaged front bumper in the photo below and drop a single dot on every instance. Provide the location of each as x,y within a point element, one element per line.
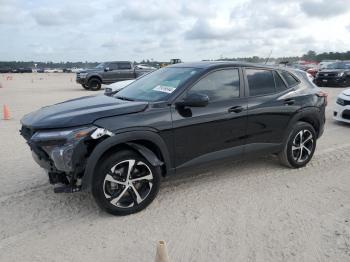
<point>63,153</point>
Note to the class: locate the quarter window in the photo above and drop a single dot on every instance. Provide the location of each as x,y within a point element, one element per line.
<point>218,86</point>
<point>261,82</point>
<point>280,85</point>
<point>290,79</point>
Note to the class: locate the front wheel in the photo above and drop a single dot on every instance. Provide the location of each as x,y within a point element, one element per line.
<point>300,146</point>
<point>125,183</point>
<point>94,84</point>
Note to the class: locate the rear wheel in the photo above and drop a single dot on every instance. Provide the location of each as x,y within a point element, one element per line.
<point>125,183</point>
<point>300,146</point>
<point>94,84</point>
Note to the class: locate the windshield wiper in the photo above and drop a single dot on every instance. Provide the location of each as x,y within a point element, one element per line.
<point>124,98</point>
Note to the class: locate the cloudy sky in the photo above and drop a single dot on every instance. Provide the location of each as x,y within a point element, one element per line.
<point>77,30</point>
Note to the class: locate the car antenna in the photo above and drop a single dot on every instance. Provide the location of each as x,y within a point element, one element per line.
<point>267,60</point>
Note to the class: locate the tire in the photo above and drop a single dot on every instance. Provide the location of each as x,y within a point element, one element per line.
<point>94,84</point>
<point>299,147</point>
<point>115,192</point>
<point>85,86</point>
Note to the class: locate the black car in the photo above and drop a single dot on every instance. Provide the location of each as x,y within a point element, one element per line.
<point>176,118</point>
<point>108,73</point>
<point>336,74</point>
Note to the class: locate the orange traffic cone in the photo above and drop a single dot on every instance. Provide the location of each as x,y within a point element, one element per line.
<point>6,113</point>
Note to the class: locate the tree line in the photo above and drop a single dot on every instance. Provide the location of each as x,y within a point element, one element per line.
<point>310,55</point>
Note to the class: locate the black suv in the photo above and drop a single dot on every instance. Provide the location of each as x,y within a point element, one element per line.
<point>107,73</point>
<point>178,117</point>
<point>336,74</point>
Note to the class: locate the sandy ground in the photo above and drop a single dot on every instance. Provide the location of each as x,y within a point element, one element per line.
<point>251,210</point>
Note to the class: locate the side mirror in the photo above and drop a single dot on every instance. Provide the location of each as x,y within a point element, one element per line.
<point>194,100</point>
<point>106,69</point>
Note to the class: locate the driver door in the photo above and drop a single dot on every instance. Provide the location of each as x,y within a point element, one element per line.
<point>216,130</point>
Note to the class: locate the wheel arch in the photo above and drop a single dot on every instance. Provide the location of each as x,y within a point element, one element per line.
<point>309,115</point>
<point>147,143</point>
<point>95,76</point>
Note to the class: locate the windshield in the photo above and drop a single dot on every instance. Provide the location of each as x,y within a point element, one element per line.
<point>339,65</point>
<point>102,65</point>
<point>158,85</point>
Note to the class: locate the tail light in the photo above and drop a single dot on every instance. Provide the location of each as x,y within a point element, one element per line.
<point>325,95</point>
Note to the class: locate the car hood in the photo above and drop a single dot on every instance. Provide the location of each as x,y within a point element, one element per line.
<point>80,111</point>
<point>346,92</point>
<point>90,70</point>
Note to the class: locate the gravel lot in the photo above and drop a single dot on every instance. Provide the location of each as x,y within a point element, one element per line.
<point>252,210</point>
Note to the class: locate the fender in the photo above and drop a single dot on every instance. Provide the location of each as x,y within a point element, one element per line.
<point>126,138</point>
<point>310,112</point>
<point>94,75</point>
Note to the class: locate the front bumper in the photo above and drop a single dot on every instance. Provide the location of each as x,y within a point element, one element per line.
<point>330,81</point>
<point>342,113</point>
<point>81,81</point>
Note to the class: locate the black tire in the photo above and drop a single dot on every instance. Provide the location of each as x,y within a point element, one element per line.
<point>131,196</point>
<point>85,86</point>
<point>295,153</point>
<point>94,84</point>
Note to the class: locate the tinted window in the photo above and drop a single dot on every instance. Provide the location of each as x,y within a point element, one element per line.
<point>113,66</point>
<point>124,66</point>
<point>291,81</point>
<point>219,85</point>
<point>158,85</point>
<point>280,85</point>
<point>260,82</point>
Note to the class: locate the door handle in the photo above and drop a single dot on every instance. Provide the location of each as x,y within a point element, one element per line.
<point>289,101</point>
<point>235,109</point>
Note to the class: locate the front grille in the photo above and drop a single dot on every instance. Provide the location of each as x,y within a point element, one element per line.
<point>78,75</point>
<point>327,74</point>
<point>346,114</point>
<point>26,132</point>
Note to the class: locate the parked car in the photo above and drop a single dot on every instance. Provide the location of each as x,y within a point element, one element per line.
<point>336,74</point>
<point>342,107</point>
<point>116,87</point>
<point>22,70</point>
<point>107,73</point>
<point>176,118</point>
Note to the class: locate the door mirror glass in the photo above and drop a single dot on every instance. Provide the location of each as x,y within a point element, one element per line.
<point>194,100</point>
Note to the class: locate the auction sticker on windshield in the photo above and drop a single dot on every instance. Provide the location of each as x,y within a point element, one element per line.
<point>164,89</point>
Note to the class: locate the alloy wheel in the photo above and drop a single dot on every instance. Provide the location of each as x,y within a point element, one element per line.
<point>303,145</point>
<point>128,183</point>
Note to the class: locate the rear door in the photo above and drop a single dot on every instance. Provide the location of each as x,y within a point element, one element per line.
<point>125,71</point>
<point>270,107</point>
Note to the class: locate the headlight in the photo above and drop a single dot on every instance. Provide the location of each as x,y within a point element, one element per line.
<point>340,101</point>
<point>83,75</point>
<point>60,144</point>
<point>341,74</point>
<point>56,137</point>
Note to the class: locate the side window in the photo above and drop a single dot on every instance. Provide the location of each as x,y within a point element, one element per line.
<point>113,66</point>
<point>291,81</point>
<point>260,82</point>
<point>280,85</point>
<point>219,86</point>
<point>124,66</point>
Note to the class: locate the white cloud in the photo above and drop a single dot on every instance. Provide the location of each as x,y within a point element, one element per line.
<point>160,29</point>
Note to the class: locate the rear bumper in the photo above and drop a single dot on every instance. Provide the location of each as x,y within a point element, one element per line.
<point>341,113</point>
